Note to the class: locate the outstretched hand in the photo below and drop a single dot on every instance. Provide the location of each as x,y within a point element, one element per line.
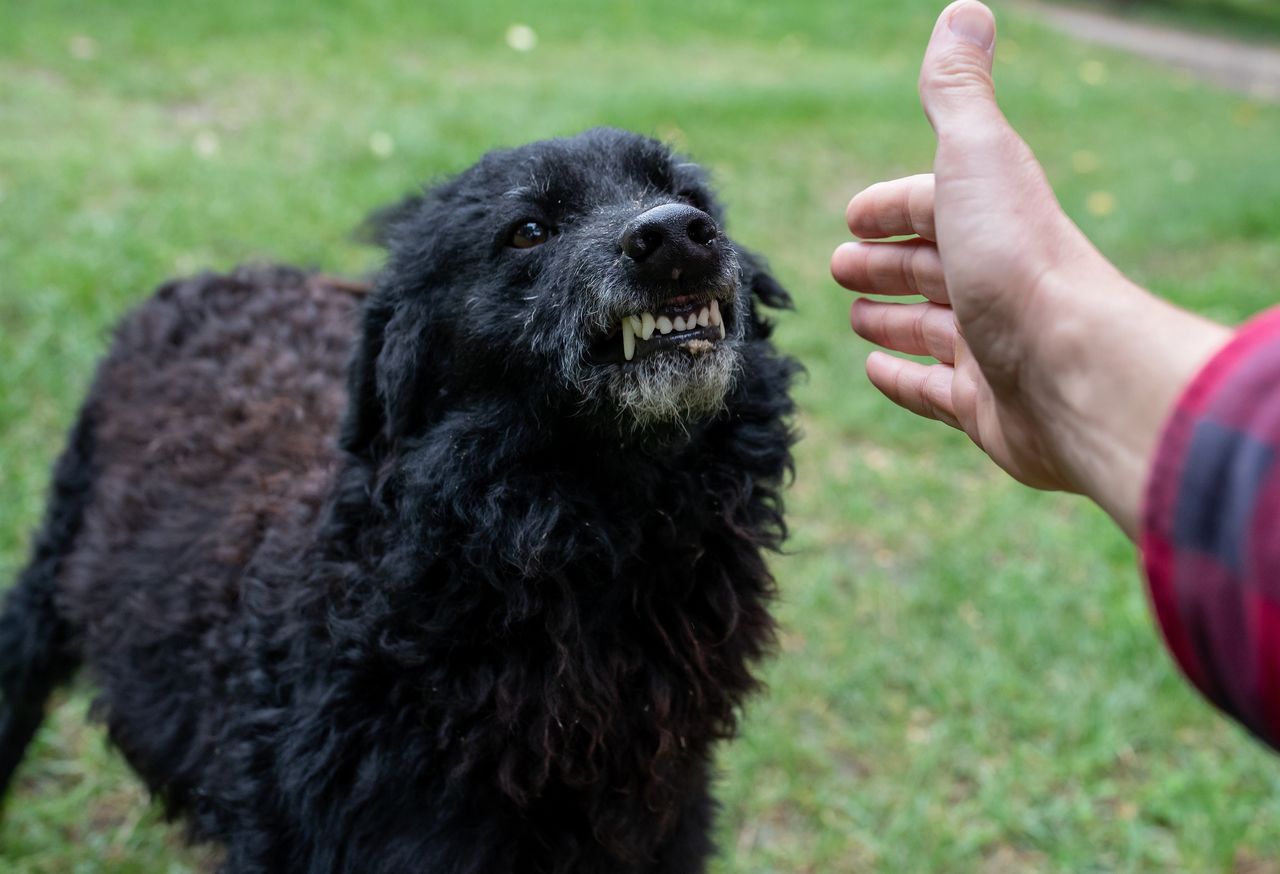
<point>1047,357</point>
<point>955,390</point>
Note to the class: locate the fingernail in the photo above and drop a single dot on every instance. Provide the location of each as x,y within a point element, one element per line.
<point>973,23</point>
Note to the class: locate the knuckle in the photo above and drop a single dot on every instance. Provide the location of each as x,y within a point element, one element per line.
<point>915,273</point>
<point>936,333</point>
<point>919,208</point>
<point>975,139</point>
<point>882,325</point>
<point>903,270</point>
<point>935,382</point>
<point>937,391</point>
<point>920,330</point>
<point>963,67</point>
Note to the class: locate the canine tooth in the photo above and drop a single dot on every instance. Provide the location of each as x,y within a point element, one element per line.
<point>679,323</point>
<point>664,325</point>
<point>647,325</point>
<point>628,340</point>
<point>635,324</point>
<point>721,327</point>
<point>715,312</point>
<point>704,317</point>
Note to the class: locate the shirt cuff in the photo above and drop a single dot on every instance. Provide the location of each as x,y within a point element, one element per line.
<point>1211,484</point>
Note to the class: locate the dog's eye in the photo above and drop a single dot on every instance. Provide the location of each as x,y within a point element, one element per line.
<point>529,234</point>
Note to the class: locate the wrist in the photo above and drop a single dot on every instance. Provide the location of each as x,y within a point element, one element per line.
<point>1114,363</point>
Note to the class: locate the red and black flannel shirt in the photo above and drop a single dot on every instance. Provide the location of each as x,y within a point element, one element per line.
<point>1211,529</point>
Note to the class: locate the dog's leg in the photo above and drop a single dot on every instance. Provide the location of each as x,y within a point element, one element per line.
<point>35,654</point>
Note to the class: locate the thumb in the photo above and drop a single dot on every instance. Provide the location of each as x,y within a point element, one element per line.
<point>955,81</point>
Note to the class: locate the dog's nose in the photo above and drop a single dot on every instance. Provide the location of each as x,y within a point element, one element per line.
<point>671,240</point>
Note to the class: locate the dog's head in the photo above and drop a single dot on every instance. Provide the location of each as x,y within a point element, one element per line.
<point>591,274</point>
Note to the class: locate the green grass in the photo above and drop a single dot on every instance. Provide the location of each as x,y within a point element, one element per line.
<point>968,678</point>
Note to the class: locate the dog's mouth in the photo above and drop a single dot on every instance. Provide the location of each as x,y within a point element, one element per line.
<point>695,324</point>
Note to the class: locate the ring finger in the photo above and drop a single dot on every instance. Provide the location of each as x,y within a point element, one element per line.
<point>911,328</point>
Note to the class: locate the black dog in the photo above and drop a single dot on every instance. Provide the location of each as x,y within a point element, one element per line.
<point>493,617</point>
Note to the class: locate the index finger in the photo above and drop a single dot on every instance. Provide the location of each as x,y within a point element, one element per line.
<point>898,208</point>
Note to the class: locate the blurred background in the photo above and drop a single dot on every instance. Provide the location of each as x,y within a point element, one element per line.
<point>968,678</point>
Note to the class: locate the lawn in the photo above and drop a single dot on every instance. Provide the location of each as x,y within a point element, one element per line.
<point>968,677</point>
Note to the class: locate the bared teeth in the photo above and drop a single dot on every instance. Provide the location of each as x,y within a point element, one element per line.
<point>644,325</point>
<point>647,324</point>
<point>628,340</point>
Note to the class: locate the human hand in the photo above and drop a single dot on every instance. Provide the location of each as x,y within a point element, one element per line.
<point>1048,358</point>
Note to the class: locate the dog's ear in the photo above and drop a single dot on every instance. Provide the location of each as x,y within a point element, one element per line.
<point>408,339</point>
<point>386,381</point>
<point>765,291</point>
<point>365,422</point>
<point>757,278</point>
<point>380,226</point>
<point>386,376</point>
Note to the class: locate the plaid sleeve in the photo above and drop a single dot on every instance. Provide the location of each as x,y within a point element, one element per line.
<point>1211,529</point>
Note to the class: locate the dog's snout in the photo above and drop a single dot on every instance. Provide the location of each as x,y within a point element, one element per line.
<point>671,239</point>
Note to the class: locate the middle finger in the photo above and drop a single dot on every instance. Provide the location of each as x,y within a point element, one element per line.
<point>905,267</point>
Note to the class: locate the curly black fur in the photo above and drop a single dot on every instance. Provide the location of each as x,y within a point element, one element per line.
<point>492,620</point>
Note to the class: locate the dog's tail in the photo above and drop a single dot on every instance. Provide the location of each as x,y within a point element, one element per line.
<point>35,640</point>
